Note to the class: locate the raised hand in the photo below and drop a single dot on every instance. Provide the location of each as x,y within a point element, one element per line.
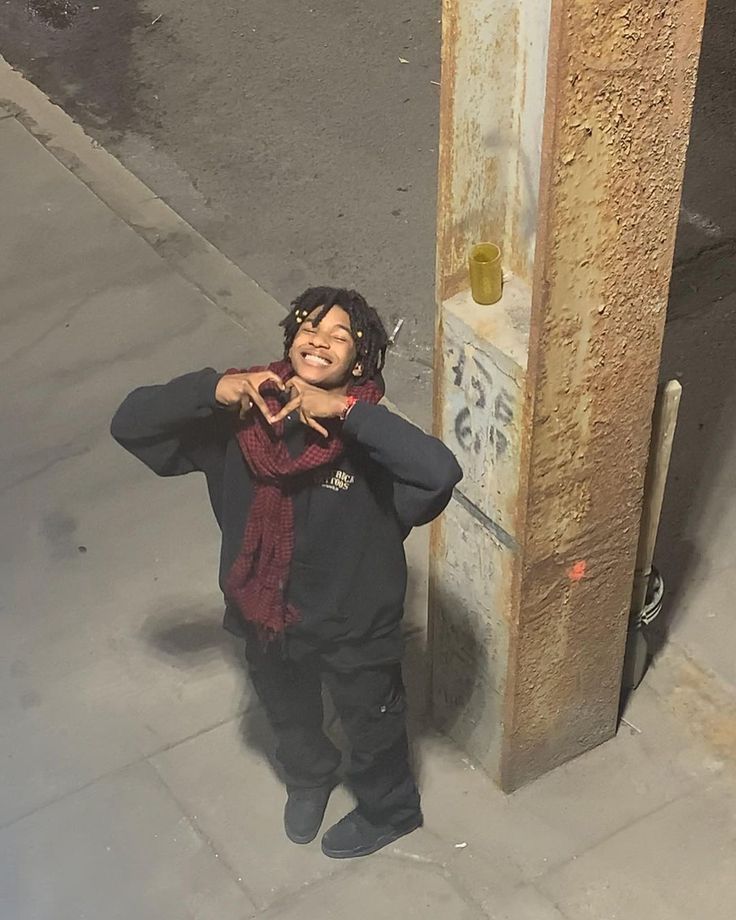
<point>244,390</point>
<point>312,403</point>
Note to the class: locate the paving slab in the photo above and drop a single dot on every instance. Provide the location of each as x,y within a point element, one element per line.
<point>491,840</point>
<point>522,903</point>
<point>224,782</point>
<point>632,775</point>
<point>699,699</point>
<point>571,809</point>
<point>118,849</point>
<point>677,864</point>
<point>118,651</point>
<point>381,888</point>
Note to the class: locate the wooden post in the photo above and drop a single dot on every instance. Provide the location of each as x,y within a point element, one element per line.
<point>664,423</point>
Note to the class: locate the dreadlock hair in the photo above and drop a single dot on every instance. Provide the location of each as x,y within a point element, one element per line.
<point>371,338</point>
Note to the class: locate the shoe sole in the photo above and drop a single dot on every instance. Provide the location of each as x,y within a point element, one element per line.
<point>379,845</point>
<point>302,841</point>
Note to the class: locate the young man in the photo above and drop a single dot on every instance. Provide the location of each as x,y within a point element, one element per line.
<point>315,487</point>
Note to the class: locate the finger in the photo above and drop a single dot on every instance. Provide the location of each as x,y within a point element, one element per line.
<point>317,427</point>
<point>271,377</point>
<point>288,409</point>
<point>303,385</point>
<point>245,406</point>
<point>260,402</point>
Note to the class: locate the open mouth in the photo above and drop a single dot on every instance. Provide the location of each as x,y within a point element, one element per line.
<point>315,360</point>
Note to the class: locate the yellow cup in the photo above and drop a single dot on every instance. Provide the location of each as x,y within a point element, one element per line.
<point>486,274</point>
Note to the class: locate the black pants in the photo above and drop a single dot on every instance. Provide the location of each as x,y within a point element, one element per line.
<point>371,704</point>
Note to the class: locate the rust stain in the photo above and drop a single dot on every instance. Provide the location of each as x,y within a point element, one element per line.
<point>620,89</point>
<point>473,165</point>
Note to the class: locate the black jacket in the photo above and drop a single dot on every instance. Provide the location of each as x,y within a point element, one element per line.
<point>348,571</point>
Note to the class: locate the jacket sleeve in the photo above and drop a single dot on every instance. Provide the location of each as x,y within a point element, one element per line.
<point>424,471</point>
<point>174,428</point>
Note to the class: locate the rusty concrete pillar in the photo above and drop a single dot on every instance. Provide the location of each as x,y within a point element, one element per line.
<point>564,127</point>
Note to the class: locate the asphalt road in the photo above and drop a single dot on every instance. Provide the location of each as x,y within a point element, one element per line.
<point>288,133</point>
<point>291,135</point>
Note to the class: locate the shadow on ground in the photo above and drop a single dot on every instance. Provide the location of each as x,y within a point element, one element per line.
<point>192,637</point>
<point>700,337</point>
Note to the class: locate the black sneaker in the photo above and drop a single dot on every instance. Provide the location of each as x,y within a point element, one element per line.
<point>356,836</point>
<point>304,811</point>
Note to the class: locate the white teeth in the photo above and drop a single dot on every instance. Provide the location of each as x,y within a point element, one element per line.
<point>315,361</point>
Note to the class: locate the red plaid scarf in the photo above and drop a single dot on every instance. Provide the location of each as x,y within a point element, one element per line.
<point>258,576</point>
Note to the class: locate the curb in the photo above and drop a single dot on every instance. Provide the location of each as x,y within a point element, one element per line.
<point>175,241</point>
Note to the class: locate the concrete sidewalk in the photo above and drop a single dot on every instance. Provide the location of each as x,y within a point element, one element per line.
<point>134,782</point>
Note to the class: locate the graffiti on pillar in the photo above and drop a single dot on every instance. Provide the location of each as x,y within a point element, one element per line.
<point>488,428</point>
<point>481,418</point>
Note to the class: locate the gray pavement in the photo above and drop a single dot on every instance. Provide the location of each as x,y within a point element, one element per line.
<point>134,781</point>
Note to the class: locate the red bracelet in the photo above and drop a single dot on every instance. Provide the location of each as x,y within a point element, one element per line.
<point>350,401</point>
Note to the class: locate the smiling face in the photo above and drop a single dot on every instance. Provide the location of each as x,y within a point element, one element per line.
<point>324,353</point>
